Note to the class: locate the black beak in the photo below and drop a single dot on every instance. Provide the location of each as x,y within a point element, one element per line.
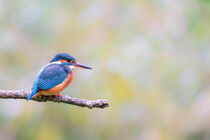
<point>81,66</point>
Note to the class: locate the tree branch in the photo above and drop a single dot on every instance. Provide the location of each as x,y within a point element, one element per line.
<point>21,94</point>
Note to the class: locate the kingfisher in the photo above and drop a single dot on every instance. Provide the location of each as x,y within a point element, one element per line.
<point>55,76</point>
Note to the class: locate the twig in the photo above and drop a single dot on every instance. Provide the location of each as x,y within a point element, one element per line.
<point>21,94</point>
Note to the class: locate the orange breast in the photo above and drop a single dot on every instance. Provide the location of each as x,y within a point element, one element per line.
<point>58,88</point>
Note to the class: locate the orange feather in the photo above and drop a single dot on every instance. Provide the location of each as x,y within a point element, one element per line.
<point>58,88</point>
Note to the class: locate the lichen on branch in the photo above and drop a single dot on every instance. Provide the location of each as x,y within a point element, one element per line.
<point>22,94</point>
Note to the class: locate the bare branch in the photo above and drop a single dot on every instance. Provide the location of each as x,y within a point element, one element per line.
<point>21,94</point>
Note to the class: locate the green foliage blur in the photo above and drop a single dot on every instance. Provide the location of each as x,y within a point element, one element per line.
<point>150,59</point>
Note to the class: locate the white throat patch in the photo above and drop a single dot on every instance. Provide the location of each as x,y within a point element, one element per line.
<point>72,67</point>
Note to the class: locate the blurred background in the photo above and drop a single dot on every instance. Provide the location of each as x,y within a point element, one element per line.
<point>151,60</point>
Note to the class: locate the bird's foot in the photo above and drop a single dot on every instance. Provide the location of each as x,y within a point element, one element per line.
<point>58,95</point>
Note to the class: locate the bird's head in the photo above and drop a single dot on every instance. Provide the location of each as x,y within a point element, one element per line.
<point>70,60</point>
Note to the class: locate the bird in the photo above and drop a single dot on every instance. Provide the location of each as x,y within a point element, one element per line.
<point>55,76</point>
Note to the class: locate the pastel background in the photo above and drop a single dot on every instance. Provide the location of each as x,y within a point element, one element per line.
<point>150,59</point>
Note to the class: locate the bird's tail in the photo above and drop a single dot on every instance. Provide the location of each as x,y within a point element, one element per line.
<point>34,91</point>
<point>31,95</point>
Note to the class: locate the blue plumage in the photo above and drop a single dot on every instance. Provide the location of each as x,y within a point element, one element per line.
<point>50,76</point>
<point>62,56</point>
<point>55,73</point>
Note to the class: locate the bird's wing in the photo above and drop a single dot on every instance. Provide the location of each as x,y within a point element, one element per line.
<point>51,76</point>
<point>48,77</point>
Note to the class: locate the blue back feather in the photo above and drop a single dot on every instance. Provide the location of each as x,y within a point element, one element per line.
<point>50,76</point>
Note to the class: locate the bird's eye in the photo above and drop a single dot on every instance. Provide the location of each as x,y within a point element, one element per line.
<point>72,61</point>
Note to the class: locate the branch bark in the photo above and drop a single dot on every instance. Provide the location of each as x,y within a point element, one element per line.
<point>21,94</point>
